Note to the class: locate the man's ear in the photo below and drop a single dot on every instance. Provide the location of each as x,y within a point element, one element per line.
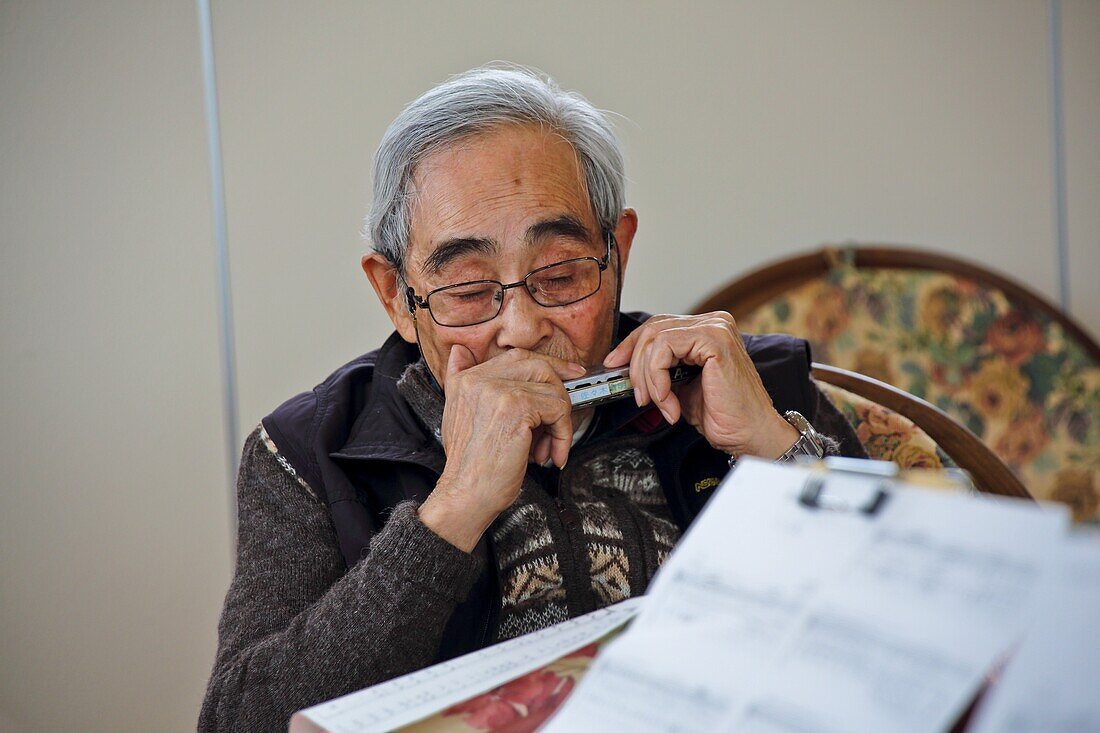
<point>624,235</point>
<point>387,286</point>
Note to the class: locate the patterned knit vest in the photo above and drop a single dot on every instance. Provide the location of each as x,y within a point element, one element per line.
<point>574,540</point>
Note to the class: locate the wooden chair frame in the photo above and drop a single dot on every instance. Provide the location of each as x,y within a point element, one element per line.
<point>990,474</point>
<point>747,293</point>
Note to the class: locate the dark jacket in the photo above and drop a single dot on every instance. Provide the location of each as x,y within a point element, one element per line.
<point>357,444</point>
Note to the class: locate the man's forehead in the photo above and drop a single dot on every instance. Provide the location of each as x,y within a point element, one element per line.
<point>497,185</point>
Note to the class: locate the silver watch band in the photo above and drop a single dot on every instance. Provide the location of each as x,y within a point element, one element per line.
<point>809,441</point>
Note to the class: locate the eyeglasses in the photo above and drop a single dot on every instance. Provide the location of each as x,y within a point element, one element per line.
<point>552,286</point>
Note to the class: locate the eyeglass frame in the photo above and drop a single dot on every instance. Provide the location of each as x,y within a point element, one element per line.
<point>414,301</point>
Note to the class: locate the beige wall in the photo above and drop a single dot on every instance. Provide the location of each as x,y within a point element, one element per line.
<point>752,129</point>
<point>114,534</point>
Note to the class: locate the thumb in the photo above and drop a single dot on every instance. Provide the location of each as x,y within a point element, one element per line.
<point>461,358</point>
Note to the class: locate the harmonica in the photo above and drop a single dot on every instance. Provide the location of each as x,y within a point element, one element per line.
<point>614,384</point>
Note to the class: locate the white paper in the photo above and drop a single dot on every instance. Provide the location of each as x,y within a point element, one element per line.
<point>902,638</point>
<point>772,616</point>
<point>418,695</point>
<point>725,601</point>
<point>1052,682</point>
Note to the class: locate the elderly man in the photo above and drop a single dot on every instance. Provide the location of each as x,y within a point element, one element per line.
<point>438,495</point>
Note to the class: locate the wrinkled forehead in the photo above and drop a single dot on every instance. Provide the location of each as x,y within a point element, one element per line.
<point>495,186</point>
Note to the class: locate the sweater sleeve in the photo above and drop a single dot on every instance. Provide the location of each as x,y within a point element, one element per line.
<point>298,627</point>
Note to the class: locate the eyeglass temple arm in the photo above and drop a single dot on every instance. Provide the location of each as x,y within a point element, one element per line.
<point>609,236</point>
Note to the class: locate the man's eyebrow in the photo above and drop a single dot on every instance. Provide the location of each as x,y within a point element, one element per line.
<point>562,226</point>
<point>456,247</point>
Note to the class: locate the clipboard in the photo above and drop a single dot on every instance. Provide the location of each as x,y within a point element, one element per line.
<point>881,475</point>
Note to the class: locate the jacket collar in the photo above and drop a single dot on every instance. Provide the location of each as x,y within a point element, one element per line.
<point>386,428</point>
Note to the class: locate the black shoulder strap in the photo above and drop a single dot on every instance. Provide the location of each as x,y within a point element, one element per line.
<point>308,427</point>
<point>291,427</point>
<point>312,424</point>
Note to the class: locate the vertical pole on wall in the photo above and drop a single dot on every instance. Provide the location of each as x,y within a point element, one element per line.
<point>1058,147</point>
<point>221,240</point>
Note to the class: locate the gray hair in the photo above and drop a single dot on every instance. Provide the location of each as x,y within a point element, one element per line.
<point>475,102</point>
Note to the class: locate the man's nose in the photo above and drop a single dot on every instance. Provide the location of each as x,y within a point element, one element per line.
<point>524,323</point>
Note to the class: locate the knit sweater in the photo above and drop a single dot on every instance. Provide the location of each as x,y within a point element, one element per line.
<point>299,627</point>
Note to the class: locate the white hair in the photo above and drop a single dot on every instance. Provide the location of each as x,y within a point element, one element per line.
<point>475,102</point>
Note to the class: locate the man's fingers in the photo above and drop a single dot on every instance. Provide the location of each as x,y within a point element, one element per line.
<point>620,355</point>
<point>541,450</point>
<point>551,410</point>
<point>460,359</point>
<point>661,357</point>
<point>670,408</point>
<point>658,384</point>
<point>561,439</point>
<point>640,371</point>
<point>667,348</point>
<point>637,372</point>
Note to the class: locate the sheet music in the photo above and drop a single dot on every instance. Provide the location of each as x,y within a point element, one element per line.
<point>416,696</point>
<point>1052,682</point>
<point>902,638</point>
<point>738,580</point>
<point>771,616</point>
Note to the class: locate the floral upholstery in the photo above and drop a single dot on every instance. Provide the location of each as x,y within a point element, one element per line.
<point>887,435</point>
<point>1004,369</point>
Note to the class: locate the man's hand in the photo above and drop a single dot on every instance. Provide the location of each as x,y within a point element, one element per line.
<point>727,403</point>
<point>497,416</point>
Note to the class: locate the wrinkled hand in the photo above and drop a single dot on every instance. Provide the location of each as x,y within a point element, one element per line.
<point>497,416</point>
<point>727,403</point>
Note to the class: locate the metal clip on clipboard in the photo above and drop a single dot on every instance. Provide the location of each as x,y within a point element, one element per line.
<point>814,493</point>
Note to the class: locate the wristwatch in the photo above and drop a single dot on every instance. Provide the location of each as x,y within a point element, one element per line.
<point>809,441</point>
